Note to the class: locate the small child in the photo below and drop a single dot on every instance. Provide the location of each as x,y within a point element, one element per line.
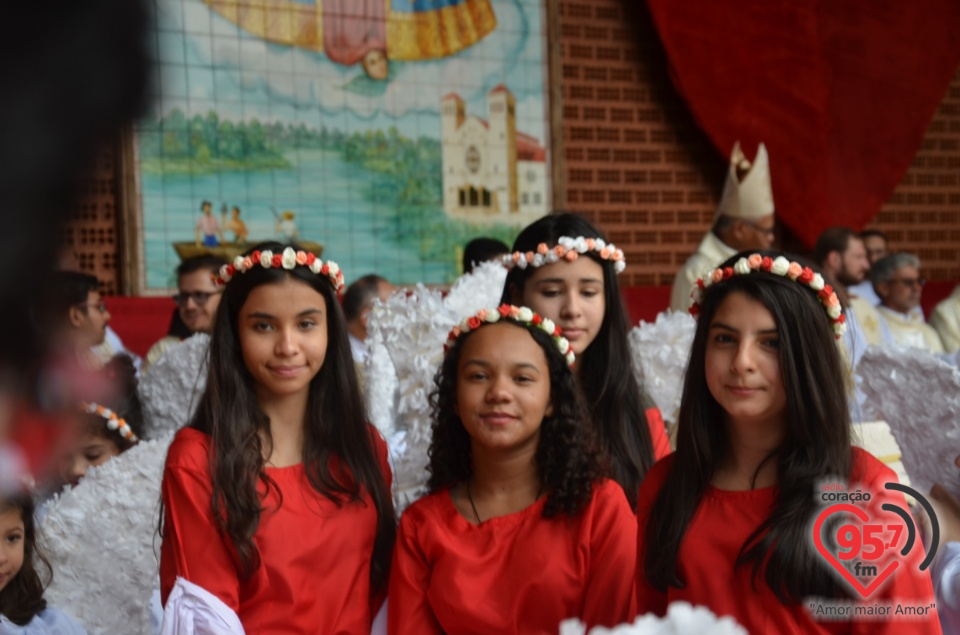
<point>22,607</point>
<point>519,531</point>
<point>727,521</point>
<point>106,429</point>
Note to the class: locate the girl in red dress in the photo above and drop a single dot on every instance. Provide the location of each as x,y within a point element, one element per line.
<point>563,268</point>
<point>519,531</point>
<point>276,498</point>
<point>728,520</point>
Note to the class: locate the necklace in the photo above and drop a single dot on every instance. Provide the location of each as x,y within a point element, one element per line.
<point>473,505</point>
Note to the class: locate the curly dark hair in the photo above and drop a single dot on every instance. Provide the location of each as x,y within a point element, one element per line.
<point>22,599</point>
<point>567,457</point>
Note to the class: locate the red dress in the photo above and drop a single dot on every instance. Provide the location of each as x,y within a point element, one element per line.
<point>712,542</point>
<point>658,434</point>
<point>314,575</point>
<point>520,573</point>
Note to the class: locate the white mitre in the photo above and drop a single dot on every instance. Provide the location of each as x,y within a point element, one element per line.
<point>752,197</point>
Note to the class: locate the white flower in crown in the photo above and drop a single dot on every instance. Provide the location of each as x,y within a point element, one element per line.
<point>225,273</point>
<point>525,314</point>
<point>316,266</point>
<point>266,256</point>
<point>817,283</point>
<point>238,263</point>
<point>563,344</point>
<point>521,261</point>
<point>580,244</point>
<point>548,326</point>
<point>333,268</point>
<point>742,266</point>
<point>538,260</point>
<point>289,258</point>
<point>834,311</point>
<point>780,266</point>
<point>551,257</point>
<point>599,244</point>
<point>571,358</point>
<point>566,242</point>
<point>492,316</point>
<point>619,266</point>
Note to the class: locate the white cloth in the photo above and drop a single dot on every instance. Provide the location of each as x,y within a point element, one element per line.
<point>865,290</point>
<point>358,348</point>
<point>113,345</point>
<point>192,610</point>
<point>709,254</point>
<point>50,621</point>
<point>908,329</point>
<point>946,584</point>
<point>945,319</point>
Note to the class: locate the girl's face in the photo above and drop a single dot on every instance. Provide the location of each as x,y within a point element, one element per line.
<point>12,535</point>
<point>90,450</point>
<point>503,388</point>
<point>743,363</point>
<point>572,295</point>
<point>283,337</point>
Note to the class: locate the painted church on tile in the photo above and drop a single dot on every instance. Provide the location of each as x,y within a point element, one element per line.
<point>491,171</point>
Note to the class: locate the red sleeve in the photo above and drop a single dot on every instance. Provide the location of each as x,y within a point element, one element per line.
<point>649,600</point>
<point>193,547</point>
<point>409,610</point>
<point>658,434</point>
<point>609,597</point>
<point>908,585</point>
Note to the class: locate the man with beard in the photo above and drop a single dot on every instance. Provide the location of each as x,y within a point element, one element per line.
<point>842,257</point>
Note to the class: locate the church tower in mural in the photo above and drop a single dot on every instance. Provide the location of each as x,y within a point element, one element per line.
<point>491,172</point>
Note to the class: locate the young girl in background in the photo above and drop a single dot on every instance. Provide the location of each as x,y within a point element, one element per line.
<point>276,497</point>
<point>727,521</point>
<point>519,531</point>
<point>563,268</point>
<point>22,607</point>
<point>108,428</point>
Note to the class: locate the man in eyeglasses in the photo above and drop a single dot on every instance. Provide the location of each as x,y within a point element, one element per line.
<point>197,300</point>
<point>896,279</point>
<point>744,220</point>
<point>75,314</point>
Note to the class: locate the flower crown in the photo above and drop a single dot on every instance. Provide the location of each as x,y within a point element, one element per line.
<point>114,422</point>
<point>521,315</point>
<point>779,266</point>
<point>288,259</point>
<point>568,249</point>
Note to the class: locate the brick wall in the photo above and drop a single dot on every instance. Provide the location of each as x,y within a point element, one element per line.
<point>91,231</point>
<point>636,164</point>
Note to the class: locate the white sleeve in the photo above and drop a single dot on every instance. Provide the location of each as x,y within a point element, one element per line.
<point>192,610</point>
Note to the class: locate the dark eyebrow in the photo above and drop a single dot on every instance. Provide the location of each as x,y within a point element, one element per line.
<point>726,327</point>
<point>485,364</point>
<point>561,280</point>
<point>267,316</point>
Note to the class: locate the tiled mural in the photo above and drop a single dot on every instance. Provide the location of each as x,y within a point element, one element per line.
<point>387,132</point>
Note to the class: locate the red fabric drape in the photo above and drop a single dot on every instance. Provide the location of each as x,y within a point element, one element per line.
<point>841,93</point>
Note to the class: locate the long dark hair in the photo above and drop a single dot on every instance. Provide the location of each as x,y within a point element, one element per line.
<point>22,599</point>
<point>567,456</point>
<point>816,444</point>
<point>338,454</point>
<point>611,388</point>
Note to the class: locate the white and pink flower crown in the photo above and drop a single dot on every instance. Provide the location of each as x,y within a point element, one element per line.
<point>778,266</point>
<point>114,422</point>
<point>288,259</point>
<point>519,314</point>
<point>568,249</point>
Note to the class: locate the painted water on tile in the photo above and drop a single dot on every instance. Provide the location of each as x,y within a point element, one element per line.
<point>389,133</point>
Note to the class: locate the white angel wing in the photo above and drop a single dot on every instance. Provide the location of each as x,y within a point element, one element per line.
<point>660,352</point>
<point>918,395</point>
<point>405,337</point>
<point>101,537</point>
<point>171,388</point>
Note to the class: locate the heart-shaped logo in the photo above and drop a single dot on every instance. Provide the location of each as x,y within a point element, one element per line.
<point>865,591</point>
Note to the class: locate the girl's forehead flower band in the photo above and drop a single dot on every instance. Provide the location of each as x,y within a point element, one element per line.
<point>288,259</point>
<point>114,422</point>
<point>520,315</point>
<point>568,249</point>
<point>778,266</point>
